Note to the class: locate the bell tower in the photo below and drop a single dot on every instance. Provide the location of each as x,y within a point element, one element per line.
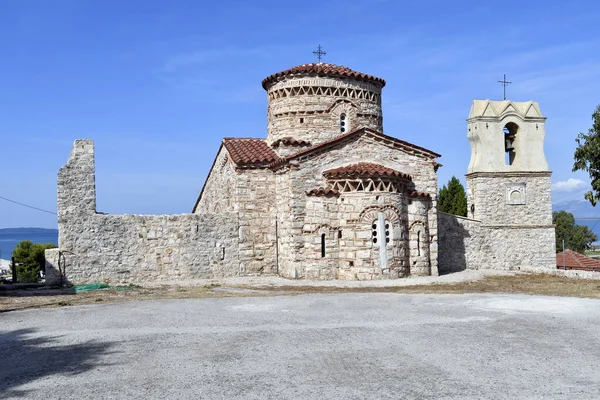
<point>508,183</point>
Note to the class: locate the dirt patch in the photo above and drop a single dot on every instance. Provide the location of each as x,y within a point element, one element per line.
<point>534,284</point>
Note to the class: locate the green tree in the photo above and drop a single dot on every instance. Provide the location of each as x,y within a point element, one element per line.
<point>452,199</point>
<point>587,156</point>
<point>29,258</point>
<point>577,237</point>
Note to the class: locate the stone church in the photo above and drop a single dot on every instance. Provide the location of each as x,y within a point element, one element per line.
<point>326,195</point>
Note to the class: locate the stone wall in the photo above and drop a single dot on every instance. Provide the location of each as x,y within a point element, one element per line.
<point>350,252</point>
<point>249,193</point>
<point>219,193</point>
<point>510,198</point>
<point>256,211</point>
<point>309,108</point>
<point>96,247</point>
<point>460,244</point>
<point>469,244</point>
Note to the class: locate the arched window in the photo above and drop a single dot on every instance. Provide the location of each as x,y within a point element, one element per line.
<point>343,122</point>
<point>510,133</point>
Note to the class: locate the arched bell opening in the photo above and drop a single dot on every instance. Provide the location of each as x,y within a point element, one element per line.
<point>510,133</point>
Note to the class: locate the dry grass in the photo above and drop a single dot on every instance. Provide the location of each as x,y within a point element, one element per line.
<point>535,284</point>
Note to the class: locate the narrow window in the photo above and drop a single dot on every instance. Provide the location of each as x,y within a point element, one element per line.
<point>339,234</point>
<point>323,245</point>
<point>342,122</point>
<point>301,120</point>
<point>419,243</point>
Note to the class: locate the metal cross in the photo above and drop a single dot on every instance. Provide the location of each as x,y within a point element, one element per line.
<point>504,83</point>
<point>319,53</point>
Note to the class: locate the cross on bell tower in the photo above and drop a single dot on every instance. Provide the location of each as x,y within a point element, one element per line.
<point>504,83</point>
<point>319,53</point>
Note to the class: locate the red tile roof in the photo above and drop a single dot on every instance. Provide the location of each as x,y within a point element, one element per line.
<point>574,260</point>
<point>401,144</point>
<point>323,192</point>
<point>249,151</point>
<point>420,194</point>
<point>322,69</point>
<point>364,169</point>
<point>290,141</point>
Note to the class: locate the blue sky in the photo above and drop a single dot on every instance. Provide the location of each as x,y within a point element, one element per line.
<point>157,84</point>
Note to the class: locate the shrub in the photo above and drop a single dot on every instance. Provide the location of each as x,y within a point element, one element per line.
<point>29,258</point>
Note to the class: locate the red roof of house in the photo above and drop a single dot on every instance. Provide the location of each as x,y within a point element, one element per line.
<point>244,151</point>
<point>322,69</point>
<point>574,260</point>
<point>364,169</point>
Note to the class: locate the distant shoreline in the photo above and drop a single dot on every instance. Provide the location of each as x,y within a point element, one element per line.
<point>27,230</point>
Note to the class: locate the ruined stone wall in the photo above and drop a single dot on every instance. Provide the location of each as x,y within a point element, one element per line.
<point>303,219</point>
<point>219,193</point>
<point>154,249</point>
<point>309,108</point>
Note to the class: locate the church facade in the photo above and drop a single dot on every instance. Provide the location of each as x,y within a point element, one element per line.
<point>326,195</point>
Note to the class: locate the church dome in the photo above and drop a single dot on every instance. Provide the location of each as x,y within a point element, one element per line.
<point>323,70</point>
<point>318,102</point>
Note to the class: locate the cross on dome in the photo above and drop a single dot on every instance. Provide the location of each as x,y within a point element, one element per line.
<point>319,53</point>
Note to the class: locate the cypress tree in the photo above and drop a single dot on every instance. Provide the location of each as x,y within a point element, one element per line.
<point>452,198</point>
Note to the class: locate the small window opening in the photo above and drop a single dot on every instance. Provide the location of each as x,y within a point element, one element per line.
<point>510,133</point>
<point>387,232</point>
<point>323,245</point>
<point>419,243</point>
<point>374,232</point>
<point>342,122</point>
<point>301,120</point>
<point>351,263</point>
<point>339,234</point>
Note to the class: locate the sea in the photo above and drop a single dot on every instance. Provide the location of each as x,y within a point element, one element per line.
<point>9,238</point>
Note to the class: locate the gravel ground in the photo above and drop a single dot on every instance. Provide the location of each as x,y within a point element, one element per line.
<point>326,346</point>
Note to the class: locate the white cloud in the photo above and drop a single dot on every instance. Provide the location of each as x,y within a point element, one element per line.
<point>569,185</point>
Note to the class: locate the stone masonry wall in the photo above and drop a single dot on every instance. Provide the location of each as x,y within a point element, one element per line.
<point>257,223</point>
<point>510,198</point>
<point>219,193</point>
<point>460,244</point>
<point>515,210</point>
<point>303,219</point>
<point>468,244</point>
<point>96,247</point>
